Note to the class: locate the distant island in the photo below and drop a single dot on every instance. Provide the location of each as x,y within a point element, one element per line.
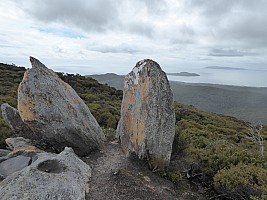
<point>183,74</point>
<point>225,68</point>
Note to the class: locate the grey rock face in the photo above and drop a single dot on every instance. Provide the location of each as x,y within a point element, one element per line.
<point>14,164</point>
<point>51,176</point>
<point>4,152</point>
<point>14,121</point>
<point>147,124</point>
<point>55,112</point>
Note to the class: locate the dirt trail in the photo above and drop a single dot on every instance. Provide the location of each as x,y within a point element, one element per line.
<point>116,177</point>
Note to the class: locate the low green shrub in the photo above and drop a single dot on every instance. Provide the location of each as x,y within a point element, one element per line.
<point>218,146</point>
<point>110,133</point>
<point>242,181</point>
<point>174,177</point>
<point>157,165</point>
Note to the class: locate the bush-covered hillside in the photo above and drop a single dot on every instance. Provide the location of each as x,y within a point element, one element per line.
<point>215,152</point>
<point>10,77</point>
<point>211,152</point>
<point>104,101</point>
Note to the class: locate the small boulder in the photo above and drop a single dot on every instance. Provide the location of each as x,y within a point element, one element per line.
<point>21,146</point>
<point>14,121</point>
<point>55,112</point>
<point>147,124</point>
<point>51,176</point>
<point>18,142</point>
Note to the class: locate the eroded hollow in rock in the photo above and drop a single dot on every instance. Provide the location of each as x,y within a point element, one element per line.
<point>51,166</point>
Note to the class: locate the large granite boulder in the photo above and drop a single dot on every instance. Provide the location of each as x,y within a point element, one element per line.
<point>14,121</point>
<point>147,124</point>
<point>51,176</point>
<point>55,112</point>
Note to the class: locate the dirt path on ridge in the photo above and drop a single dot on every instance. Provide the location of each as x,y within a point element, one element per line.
<point>116,177</point>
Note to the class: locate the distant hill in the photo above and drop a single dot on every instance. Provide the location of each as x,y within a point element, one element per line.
<point>183,74</point>
<point>247,103</point>
<point>111,79</point>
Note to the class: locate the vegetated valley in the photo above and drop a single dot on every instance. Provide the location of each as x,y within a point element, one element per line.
<point>246,103</point>
<point>214,155</point>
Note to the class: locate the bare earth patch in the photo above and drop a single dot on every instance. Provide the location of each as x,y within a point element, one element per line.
<point>114,176</point>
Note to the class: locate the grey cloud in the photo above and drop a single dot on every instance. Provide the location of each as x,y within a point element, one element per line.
<point>217,9</point>
<point>93,15</point>
<point>239,22</point>
<point>214,8</point>
<point>156,6</point>
<point>182,34</point>
<point>140,28</point>
<point>121,48</point>
<point>251,30</point>
<point>226,52</point>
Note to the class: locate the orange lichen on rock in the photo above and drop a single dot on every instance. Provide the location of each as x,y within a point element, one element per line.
<point>29,151</point>
<point>66,85</point>
<point>135,124</point>
<point>26,109</point>
<point>138,132</point>
<point>75,101</point>
<point>26,76</point>
<point>144,89</point>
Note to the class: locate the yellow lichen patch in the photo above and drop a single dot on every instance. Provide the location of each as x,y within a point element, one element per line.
<point>75,101</point>
<point>129,124</point>
<point>129,101</point>
<point>26,109</point>
<point>29,150</point>
<point>26,76</point>
<point>135,124</point>
<point>140,132</point>
<point>144,89</point>
<point>134,130</point>
<point>67,86</point>
<point>138,128</point>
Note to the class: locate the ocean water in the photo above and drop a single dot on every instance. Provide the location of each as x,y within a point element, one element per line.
<point>249,77</point>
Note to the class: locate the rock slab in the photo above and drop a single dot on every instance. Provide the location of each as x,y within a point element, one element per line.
<point>14,164</point>
<point>55,112</point>
<point>14,121</point>
<point>147,124</point>
<point>51,176</point>
<point>17,142</point>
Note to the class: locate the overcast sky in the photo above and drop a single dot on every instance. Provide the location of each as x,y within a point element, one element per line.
<point>97,36</point>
